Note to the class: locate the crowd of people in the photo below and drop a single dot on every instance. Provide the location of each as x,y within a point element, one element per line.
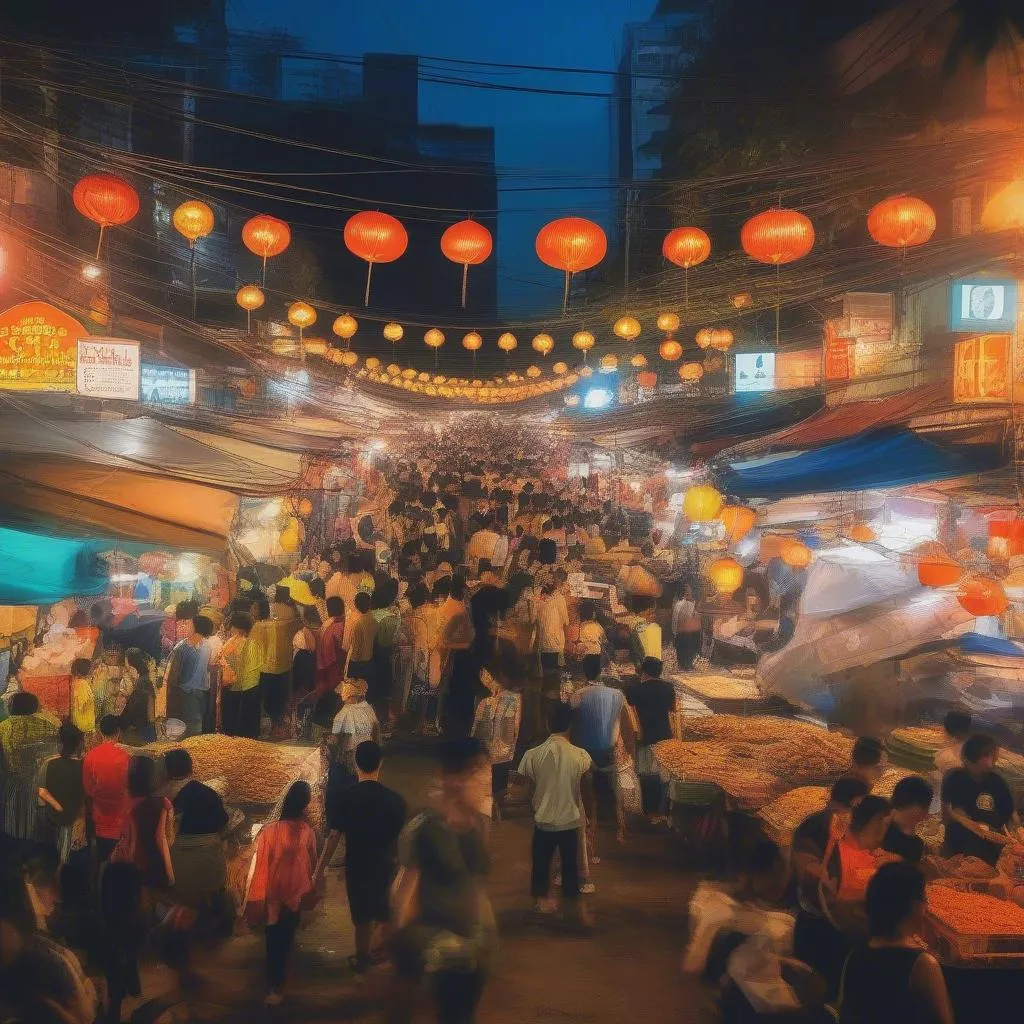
<point>444,609</point>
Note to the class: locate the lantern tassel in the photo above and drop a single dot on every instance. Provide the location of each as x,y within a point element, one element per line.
<point>565,295</point>
<point>369,273</point>
<point>465,275</point>
<point>686,288</point>
<point>248,322</point>
<point>192,270</point>
<point>263,280</point>
<point>778,302</point>
<point>99,243</point>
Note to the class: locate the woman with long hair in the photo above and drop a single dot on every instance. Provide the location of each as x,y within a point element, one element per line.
<point>281,880</point>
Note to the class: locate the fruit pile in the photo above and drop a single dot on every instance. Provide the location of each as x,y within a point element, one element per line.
<point>975,913</point>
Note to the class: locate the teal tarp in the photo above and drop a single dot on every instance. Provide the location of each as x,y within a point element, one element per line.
<point>37,569</point>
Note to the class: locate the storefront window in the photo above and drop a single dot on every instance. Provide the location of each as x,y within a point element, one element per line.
<point>981,369</point>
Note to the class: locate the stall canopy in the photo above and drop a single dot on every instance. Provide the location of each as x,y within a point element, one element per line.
<point>91,501</point>
<point>40,569</point>
<point>889,457</point>
<point>145,445</point>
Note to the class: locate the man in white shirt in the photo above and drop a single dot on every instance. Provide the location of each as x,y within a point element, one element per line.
<point>552,623</point>
<point>481,545</point>
<point>555,769</point>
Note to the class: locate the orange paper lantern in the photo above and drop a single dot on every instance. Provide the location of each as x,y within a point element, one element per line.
<point>691,372</point>
<point>982,596</point>
<point>345,326</point>
<point>193,220</point>
<point>703,337</point>
<point>738,521</point>
<point>393,332</point>
<point>250,297</point>
<point>796,554</point>
<point>670,350</point>
<point>434,338</point>
<point>469,244</point>
<point>901,221</point>
<point>638,361</point>
<point>377,238</point>
<point>507,342</point>
<point>627,327</point>
<point>543,343</point>
<point>647,379</point>
<point>583,341</point>
<point>560,368</point>
<point>686,247</point>
<point>266,236</point>
<point>301,315</point>
<point>727,575</point>
<point>107,200</point>
<point>721,338</point>
<point>777,236</point>
<point>572,245</point>
<point>472,341</point>
<point>668,322</point>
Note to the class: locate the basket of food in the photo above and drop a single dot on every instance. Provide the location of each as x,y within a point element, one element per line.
<point>914,747</point>
<point>735,770</point>
<point>967,926</point>
<point>786,812</point>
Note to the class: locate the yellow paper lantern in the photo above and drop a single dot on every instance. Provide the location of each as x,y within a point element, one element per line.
<point>393,332</point>
<point>639,361</point>
<point>373,363</point>
<point>702,503</point>
<point>507,342</point>
<point>560,368</point>
<point>349,358</point>
<point>345,326</point>
<point>703,337</point>
<point>668,322</point>
<point>583,340</point>
<point>690,373</point>
<point>609,362</point>
<point>543,343</point>
<point>670,350</point>
<point>193,220</point>
<point>727,575</point>
<point>627,327</point>
<point>533,371</point>
<point>301,315</point>
<point>472,342</point>
<point>434,338</point>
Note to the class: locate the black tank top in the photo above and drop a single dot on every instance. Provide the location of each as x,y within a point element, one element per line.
<point>876,988</point>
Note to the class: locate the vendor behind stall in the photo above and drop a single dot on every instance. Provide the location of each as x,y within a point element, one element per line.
<point>977,804</point>
<point>911,799</point>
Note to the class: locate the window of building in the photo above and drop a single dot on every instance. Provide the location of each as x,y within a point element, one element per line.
<point>981,369</point>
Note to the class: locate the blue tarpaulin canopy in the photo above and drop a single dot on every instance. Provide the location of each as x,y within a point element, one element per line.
<point>978,643</point>
<point>889,457</point>
<point>39,569</point>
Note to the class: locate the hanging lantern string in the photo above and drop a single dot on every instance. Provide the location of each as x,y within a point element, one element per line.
<point>778,301</point>
<point>465,277</point>
<point>565,294</point>
<point>366,294</point>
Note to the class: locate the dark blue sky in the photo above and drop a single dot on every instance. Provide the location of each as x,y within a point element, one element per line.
<point>540,139</point>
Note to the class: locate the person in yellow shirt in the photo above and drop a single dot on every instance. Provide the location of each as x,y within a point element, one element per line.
<point>83,702</point>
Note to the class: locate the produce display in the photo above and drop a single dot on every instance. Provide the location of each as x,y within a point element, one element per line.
<point>794,752</point>
<point>718,687</point>
<point>927,736</point>
<point>736,769</point>
<point>914,747</point>
<point>256,772</point>
<point>975,913</point>
<point>786,812</point>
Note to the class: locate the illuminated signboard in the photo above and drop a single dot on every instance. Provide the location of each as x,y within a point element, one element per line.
<point>755,371</point>
<point>38,348</point>
<point>108,368</point>
<point>983,305</point>
<point>168,385</point>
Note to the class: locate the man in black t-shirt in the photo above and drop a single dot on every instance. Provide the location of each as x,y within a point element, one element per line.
<point>911,799</point>
<point>370,817</point>
<point>977,804</point>
<point>815,941</point>
<point>654,700</point>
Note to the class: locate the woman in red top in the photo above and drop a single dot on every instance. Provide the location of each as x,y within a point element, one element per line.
<point>146,837</point>
<point>330,655</point>
<point>281,879</point>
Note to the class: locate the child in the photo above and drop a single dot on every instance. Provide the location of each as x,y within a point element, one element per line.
<point>83,701</point>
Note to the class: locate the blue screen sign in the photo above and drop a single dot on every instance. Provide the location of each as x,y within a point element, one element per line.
<point>168,385</point>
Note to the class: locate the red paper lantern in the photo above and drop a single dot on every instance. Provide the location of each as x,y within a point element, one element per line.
<point>571,244</point>
<point>105,199</point>
<point>647,379</point>
<point>377,238</point>
<point>777,236</point>
<point>686,247</point>
<point>982,596</point>
<point>901,221</point>
<point>468,243</point>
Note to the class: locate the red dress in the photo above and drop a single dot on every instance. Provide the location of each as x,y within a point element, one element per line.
<point>330,657</point>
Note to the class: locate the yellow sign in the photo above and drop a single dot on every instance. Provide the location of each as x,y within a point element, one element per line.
<point>38,348</point>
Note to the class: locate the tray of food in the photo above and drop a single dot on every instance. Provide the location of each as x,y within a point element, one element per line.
<point>966,926</point>
<point>735,770</point>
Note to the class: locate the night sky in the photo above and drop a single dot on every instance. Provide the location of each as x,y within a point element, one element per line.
<point>540,139</point>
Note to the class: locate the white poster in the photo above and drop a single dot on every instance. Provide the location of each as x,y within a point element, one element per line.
<point>109,368</point>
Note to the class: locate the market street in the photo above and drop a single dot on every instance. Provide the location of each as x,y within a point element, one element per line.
<point>545,975</point>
